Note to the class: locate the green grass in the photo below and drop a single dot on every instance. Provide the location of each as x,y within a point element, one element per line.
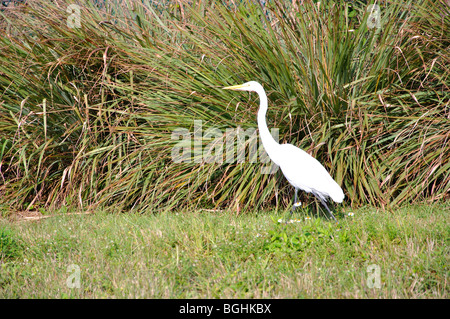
<point>204,254</point>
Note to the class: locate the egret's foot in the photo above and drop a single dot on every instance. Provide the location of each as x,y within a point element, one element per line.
<point>336,222</point>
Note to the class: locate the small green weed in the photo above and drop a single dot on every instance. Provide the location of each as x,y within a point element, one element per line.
<point>312,232</point>
<point>10,245</point>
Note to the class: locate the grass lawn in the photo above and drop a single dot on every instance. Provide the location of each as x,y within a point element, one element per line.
<point>403,253</point>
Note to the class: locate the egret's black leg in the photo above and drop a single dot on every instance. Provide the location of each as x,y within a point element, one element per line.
<point>295,202</point>
<point>325,204</point>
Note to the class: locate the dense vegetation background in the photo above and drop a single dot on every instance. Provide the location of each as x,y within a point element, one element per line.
<point>90,108</point>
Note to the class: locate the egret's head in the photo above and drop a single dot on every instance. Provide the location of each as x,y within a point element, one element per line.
<point>247,86</point>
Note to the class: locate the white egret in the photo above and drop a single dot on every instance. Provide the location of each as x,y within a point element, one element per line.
<point>300,169</point>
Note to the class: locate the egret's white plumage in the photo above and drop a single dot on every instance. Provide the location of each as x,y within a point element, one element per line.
<point>301,169</point>
<point>305,172</point>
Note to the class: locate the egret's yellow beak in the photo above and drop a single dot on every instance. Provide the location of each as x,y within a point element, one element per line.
<point>234,87</point>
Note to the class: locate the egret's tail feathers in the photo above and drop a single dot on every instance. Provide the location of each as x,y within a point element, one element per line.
<point>333,191</point>
<point>337,194</point>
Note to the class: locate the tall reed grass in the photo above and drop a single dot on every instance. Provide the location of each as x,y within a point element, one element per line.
<point>88,112</point>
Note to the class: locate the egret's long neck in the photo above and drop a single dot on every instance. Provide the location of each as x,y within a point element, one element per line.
<point>269,143</point>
